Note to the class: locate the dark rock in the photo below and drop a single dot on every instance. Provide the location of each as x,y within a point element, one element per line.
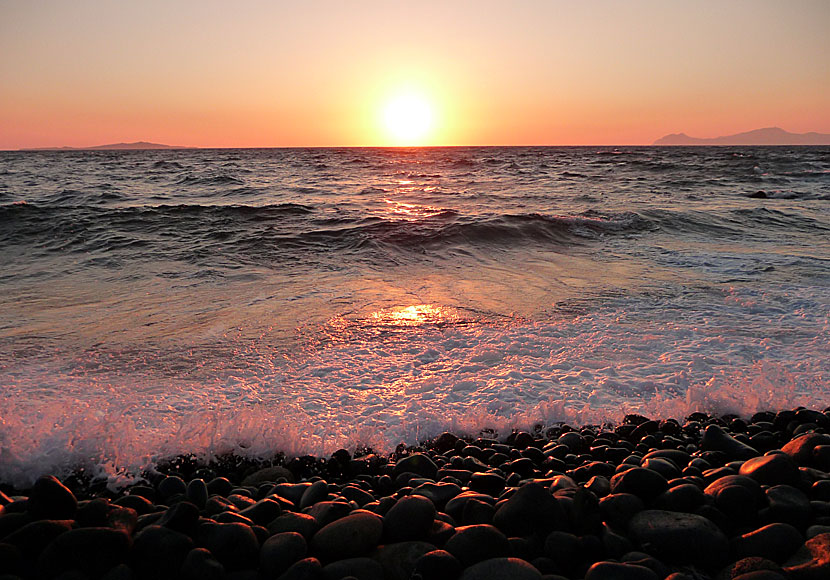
<point>197,493</point>
<point>617,509</point>
<point>268,475</point>
<point>761,575</point>
<point>280,551</point>
<point>531,509</point>
<point>472,544</point>
<point>325,512</point>
<point>93,551</point>
<point>350,536</point>
<point>737,496</point>
<point>418,463</point>
<point>619,571</point>
<point>438,493</point>
<point>564,549</point>
<point>409,519</point>
<point>50,499</point>
<point>100,512</point>
<point>219,486</point>
<point>773,469</point>
<point>119,572</point>
<point>644,483</point>
<point>170,486</point>
<point>305,569</point>
<point>774,541</point>
<point>679,538</point>
<point>182,517</point>
<point>262,512</point>
<point>748,566</point>
<point>801,448</point>
<point>33,538</point>
<point>716,439</point>
<point>303,524</point>
<point>398,560</point>
<point>501,569</point>
<point>681,498</point>
<point>159,552</point>
<point>234,545</point>
<point>476,511</point>
<point>141,505</point>
<point>199,564</point>
<point>440,533</point>
<point>787,504</point>
<point>812,562</point>
<point>358,568</point>
<point>357,495</point>
<point>317,491</point>
<point>437,565</point>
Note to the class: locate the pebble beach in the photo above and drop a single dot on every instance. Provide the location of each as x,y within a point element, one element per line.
<point>707,497</point>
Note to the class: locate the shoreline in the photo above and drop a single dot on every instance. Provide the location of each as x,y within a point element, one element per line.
<point>711,497</point>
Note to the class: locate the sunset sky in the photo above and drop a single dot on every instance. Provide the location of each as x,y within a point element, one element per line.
<point>271,74</point>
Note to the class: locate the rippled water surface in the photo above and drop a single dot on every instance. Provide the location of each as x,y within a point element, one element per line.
<point>156,302</point>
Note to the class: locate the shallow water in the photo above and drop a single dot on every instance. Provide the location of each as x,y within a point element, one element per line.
<point>158,302</point>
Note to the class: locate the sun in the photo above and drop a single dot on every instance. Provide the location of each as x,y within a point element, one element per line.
<point>408,119</point>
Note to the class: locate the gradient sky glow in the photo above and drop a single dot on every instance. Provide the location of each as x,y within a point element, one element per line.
<point>313,73</point>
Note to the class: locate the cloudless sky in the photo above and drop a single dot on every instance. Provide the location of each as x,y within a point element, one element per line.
<point>314,73</point>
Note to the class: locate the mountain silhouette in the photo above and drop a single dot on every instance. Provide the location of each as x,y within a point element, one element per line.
<point>111,147</point>
<point>767,136</point>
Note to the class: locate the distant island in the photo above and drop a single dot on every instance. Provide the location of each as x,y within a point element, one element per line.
<point>112,147</point>
<point>768,136</point>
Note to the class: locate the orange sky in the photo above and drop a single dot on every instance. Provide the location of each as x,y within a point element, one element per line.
<point>270,73</point>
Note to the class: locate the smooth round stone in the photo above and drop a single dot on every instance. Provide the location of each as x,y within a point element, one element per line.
<point>787,504</point>
<point>234,545</point>
<point>159,552</point>
<point>170,486</point>
<point>219,486</point>
<point>303,524</point>
<point>398,559</point>
<point>750,565</point>
<point>325,512</point>
<point>617,509</point>
<point>472,544</point>
<point>564,549</point>
<point>280,551</point>
<point>437,565</point>
<point>417,463</point>
<point>141,505</point>
<point>305,569</point>
<point>197,493</point>
<point>501,569</point>
<point>262,512</point>
<point>619,571</point>
<point>360,568</point>
<point>644,483</point>
<point>477,512</point>
<point>773,469</point>
<point>716,439</point>
<point>774,541</point>
<point>199,564</point>
<point>268,475</point>
<point>50,499</point>
<point>801,448</point>
<point>531,509</point>
<point>100,512</point>
<point>182,517</point>
<point>680,498</point>
<point>760,575</point>
<point>489,483</point>
<point>409,519</point>
<point>663,466</point>
<point>679,538</point>
<point>33,538</point>
<point>90,550</point>
<point>357,495</point>
<point>317,491</point>
<point>438,493</point>
<point>350,536</point>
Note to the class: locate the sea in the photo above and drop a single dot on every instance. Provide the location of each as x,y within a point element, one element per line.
<point>298,301</point>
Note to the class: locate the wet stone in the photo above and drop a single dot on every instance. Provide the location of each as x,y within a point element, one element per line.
<point>33,538</point>
<point>234,545</point>
<point>90,550</point>
<point>353,535</point>
<point>679,538</point>
<point>436,565</point>
<point>774,541</point>
<point>417,463</point>
<point>644,483</point>
<point>501,569</point>
<point>398,559</point>
<point>262,512</point>
<point>50,499</point>
<point>360,568</point>
<point>787,504</point>
<point>305,569</point>
<point>268,475</point>
<point>159,552</point>
<point>280,551</point>
<point>197,493</point>
<point>303,524</point>
<point>619,571</point>
<point>716,439</point>
<point>472,544</point>
<point>199,564</point>
<point>409,519</point>
<point>529,510</point>
<point>170,486</point>
<point>773,469</point>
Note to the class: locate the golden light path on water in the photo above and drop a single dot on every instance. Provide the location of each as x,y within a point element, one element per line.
<point>416,315</point>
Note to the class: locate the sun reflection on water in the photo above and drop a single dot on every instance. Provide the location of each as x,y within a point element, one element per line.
<point>416,315</point>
